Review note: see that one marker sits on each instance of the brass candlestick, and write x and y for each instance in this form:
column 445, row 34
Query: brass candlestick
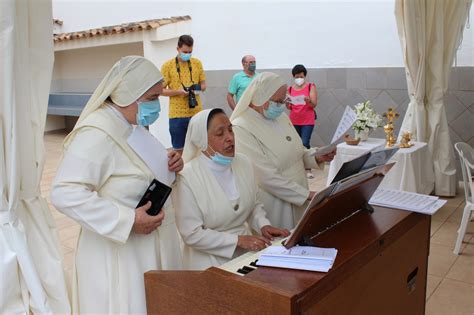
column 405, row 140
column 390, row 115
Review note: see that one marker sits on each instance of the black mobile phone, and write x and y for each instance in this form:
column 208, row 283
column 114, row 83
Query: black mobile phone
column 157, row 193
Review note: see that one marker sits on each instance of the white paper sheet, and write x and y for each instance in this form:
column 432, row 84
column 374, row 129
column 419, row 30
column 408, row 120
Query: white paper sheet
column 298, row 257
column 153, row 153
column 346, row 122
column 348, row 118
column 297, row 100
column 313, row 266
column 404, row 200
column 303, row 252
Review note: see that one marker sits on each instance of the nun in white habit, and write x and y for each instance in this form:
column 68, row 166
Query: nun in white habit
column 217, row 197
column 102, row 176
column 266, row 135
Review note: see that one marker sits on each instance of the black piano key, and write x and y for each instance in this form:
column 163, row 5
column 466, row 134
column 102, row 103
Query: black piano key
column 254, row 263
column 242, row 271
column 248, row 269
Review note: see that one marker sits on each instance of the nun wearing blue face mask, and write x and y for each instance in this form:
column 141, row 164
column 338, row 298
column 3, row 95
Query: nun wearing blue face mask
column 216, row 196
column 102, row 177
column 266, row 135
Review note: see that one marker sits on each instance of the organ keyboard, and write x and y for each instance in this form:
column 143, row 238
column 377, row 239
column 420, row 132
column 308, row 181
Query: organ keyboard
column 380, row 268
column 245, row 263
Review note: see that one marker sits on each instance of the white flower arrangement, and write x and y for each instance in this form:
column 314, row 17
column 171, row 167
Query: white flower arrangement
column 367, row 118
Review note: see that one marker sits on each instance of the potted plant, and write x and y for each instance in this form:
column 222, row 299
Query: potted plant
column 367, row 120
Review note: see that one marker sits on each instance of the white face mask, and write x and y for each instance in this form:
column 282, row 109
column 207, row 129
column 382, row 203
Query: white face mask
column 299, row 81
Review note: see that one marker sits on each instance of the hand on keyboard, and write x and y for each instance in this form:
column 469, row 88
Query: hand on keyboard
column 253, row 243
column 270, row 232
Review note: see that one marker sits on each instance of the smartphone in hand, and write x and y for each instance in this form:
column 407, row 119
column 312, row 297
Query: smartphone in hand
column 157, row 193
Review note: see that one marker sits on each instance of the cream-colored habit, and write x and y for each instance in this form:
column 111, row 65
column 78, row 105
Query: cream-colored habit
column 99, row 183
column 208, row 221
column 276, row 151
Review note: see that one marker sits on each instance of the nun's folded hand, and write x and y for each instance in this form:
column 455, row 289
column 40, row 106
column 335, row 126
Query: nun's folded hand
column 144, row 223
column 175, row 162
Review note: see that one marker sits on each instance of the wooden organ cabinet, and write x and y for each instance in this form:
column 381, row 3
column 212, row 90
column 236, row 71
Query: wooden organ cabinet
column 380, row 268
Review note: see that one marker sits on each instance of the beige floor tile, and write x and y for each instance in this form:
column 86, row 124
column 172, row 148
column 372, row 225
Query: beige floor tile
column 447, row 234
column 455, row 201
column 435, row 225
column 443, row 213
column 317, row 186
column 463, row 268
column 433, row 282
column 456, row 217
column 440, row 260
column 451, row 297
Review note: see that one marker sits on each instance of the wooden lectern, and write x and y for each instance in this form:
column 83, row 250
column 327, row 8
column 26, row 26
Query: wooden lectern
column 380, row 268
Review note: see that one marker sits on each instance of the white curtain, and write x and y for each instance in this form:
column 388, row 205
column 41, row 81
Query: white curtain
column 430, row 32
column 31, row 271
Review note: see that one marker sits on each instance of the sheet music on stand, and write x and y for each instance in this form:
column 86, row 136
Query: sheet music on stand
column 346, row 122
column 405, row 200
column 361, row 176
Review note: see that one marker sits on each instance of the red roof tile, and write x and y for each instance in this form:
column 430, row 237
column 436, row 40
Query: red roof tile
column 117, row 29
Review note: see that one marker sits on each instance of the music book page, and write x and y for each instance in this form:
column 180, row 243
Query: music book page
column 298, row 257
column 348, row 118
column 346, row 122
column 405, row 200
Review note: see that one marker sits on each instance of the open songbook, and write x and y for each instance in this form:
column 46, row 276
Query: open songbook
column 298, row 257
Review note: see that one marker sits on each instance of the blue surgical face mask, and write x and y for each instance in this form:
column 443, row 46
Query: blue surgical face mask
column 274, row 110
column 185, row 57
column 252, row 67
column 221, row 159
column 148, row 112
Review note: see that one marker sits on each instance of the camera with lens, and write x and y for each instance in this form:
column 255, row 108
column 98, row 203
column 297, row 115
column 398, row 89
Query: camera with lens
column 192, row 101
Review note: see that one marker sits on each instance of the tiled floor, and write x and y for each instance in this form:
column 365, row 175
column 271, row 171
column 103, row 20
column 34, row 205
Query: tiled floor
column 450, row 277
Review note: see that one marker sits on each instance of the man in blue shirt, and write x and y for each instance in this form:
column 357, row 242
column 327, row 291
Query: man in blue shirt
column 241, row 80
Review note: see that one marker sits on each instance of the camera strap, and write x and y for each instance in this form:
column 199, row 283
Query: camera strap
column 178, row 69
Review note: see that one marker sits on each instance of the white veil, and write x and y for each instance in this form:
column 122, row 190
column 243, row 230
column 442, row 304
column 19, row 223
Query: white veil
column 129, row 78
column 258, row 92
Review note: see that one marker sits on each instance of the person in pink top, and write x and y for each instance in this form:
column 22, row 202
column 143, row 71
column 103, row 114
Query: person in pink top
column 302, row 114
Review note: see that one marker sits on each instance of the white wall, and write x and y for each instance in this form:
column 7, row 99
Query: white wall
column 330, row 33
column 54, row 123
column 158, row 53
column 80, row 70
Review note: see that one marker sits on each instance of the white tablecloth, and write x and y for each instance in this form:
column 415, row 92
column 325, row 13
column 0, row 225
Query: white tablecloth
column 347, row 152
column 413, row 170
